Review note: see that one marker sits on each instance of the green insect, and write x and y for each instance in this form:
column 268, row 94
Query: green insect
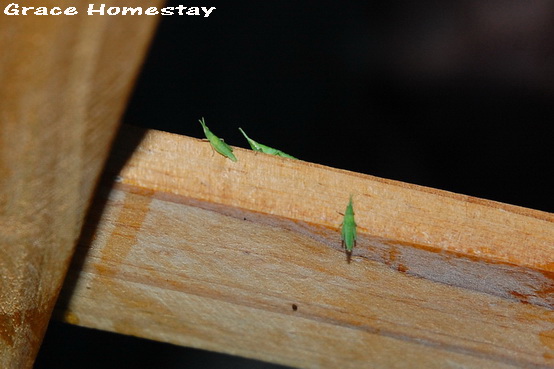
column 348, row 231
column 217, row 143
column 265, row 149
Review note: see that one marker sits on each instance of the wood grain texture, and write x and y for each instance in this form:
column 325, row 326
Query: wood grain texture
column 64, row 82
column 245, row 258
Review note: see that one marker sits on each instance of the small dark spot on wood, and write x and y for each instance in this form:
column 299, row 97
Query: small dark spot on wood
column 244, row 218
column 294, row 307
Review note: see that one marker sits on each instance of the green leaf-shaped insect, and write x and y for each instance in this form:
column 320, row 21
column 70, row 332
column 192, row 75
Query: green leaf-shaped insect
column 256, row 146
column 217, row 143
column 348, row 231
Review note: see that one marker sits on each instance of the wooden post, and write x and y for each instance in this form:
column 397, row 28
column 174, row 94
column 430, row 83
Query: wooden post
column 64, row 82
column 245, row 258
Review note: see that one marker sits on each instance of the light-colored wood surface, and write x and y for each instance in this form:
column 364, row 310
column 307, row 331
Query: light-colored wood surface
column 245, row 258
column 64, row 82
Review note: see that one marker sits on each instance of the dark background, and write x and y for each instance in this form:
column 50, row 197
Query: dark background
column 452, row 95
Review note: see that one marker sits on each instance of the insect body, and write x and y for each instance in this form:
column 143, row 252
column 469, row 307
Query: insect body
column 256, row 146
column 348, row 231
column 217, row 143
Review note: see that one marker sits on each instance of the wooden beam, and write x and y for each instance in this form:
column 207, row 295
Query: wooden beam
column 245, row 258
column 64, row 82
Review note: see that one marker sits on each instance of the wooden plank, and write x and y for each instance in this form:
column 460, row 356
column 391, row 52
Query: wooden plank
column 64, row 82
column 245, row 258
column 455, row 239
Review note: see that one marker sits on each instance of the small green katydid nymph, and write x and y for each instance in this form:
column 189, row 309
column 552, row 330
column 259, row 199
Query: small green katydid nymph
column 256, row 146
column 217, row 143
column 348, row 231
